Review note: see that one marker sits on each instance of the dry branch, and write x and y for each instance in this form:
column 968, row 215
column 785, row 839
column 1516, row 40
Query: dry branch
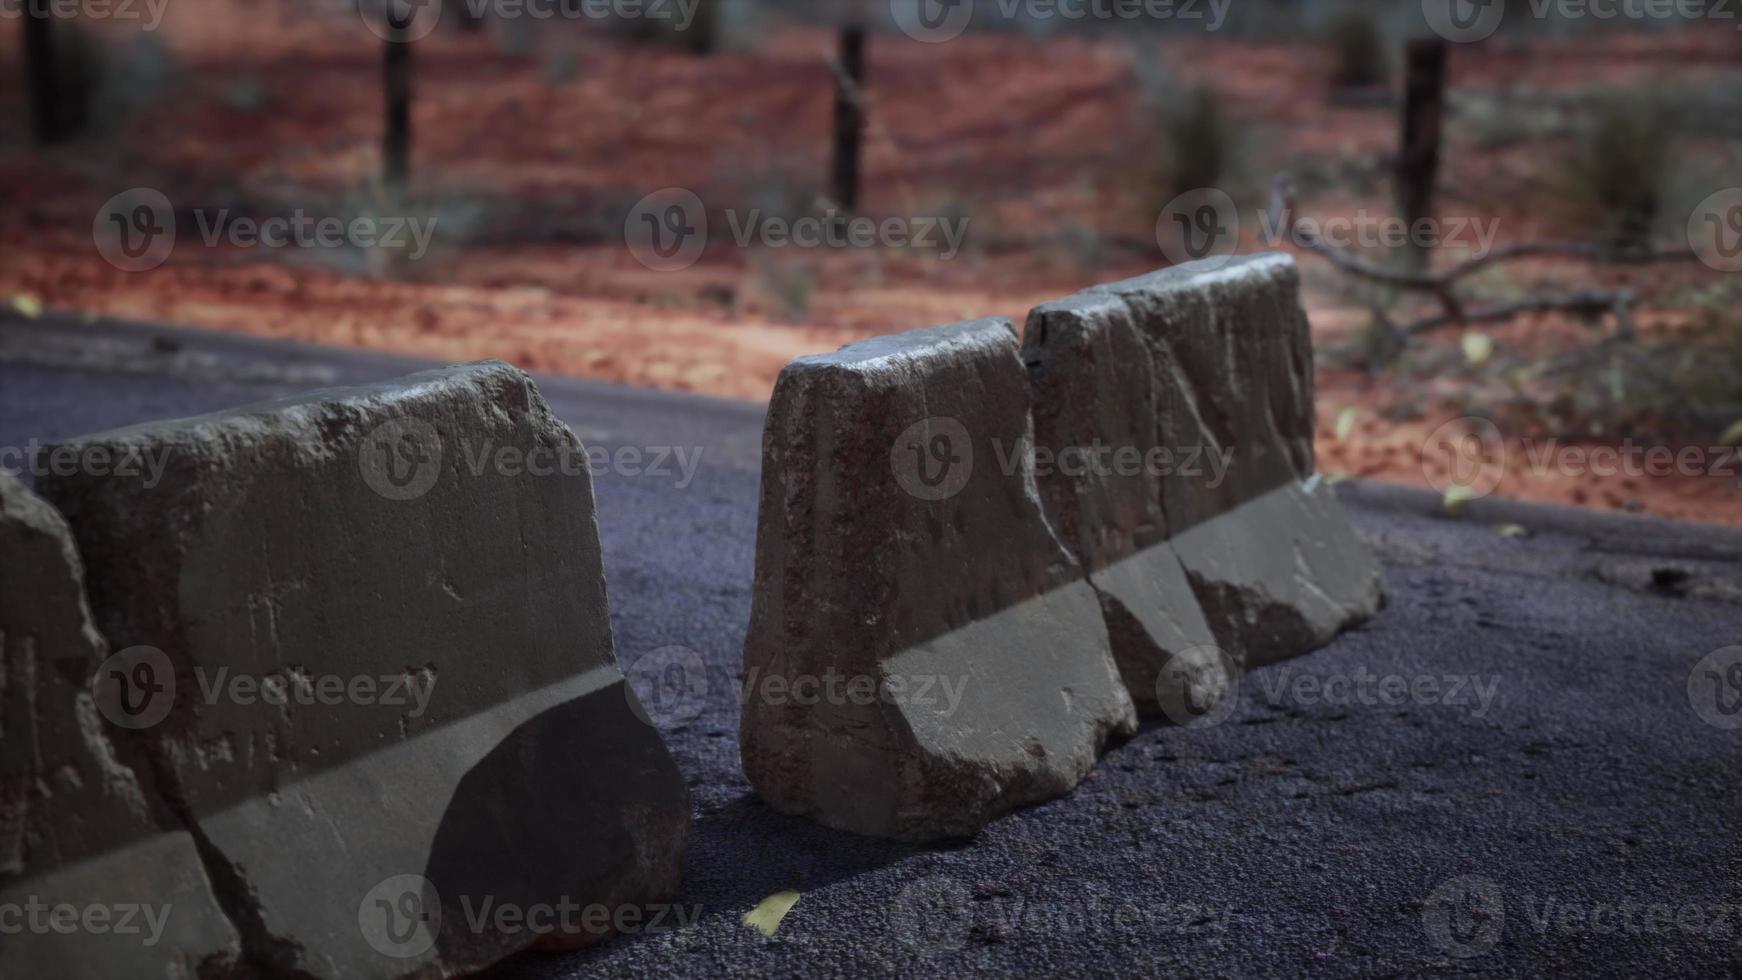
column 1454, row 309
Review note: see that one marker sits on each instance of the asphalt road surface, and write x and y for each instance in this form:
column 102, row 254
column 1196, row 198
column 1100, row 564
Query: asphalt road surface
column 1529, row 763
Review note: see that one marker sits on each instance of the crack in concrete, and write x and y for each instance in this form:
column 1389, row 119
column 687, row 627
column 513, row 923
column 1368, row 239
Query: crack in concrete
column 264, row 954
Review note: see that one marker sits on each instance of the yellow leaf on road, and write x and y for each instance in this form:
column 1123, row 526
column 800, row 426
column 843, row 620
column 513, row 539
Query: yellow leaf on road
column 1478, row 347
column 1457, row 498
column 766, row 916
column 1732, row 436
column 1346, row 422
column 27, row 306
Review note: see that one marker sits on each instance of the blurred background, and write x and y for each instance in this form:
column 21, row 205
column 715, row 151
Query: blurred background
column 1520, row 219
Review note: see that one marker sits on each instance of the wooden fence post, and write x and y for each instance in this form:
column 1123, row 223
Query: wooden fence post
column 396, row 85
column 45, row 89
column 1418, row 156
column 849, row 114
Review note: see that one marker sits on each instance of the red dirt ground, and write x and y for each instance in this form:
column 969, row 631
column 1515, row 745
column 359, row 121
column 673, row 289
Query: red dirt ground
column 534, row 159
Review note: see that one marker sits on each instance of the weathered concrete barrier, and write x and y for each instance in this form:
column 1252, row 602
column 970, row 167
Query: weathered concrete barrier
column 923, row 654
column 385, row 702
column 1190, row 390
column 921, row 494
column 90, row 883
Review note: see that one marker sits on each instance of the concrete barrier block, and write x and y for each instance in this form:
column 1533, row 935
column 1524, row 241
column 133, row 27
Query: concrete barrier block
column 923, row 654
column 91, row 885
column 391, row 707
column 1098, row 416
column 1283, row 574
column 1194, row 386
